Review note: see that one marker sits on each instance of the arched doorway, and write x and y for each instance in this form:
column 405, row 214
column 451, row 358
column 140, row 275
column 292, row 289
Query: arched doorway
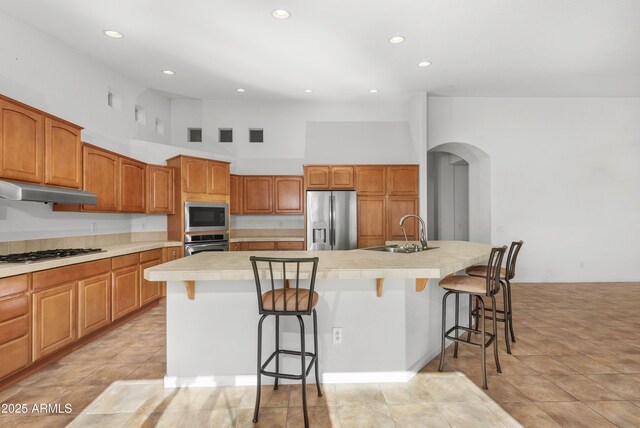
column 459, row 193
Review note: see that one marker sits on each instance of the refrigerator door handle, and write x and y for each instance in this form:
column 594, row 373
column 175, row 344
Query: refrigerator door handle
column 332, row 219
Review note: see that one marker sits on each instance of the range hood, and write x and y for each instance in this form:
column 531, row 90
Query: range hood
column 37, row 193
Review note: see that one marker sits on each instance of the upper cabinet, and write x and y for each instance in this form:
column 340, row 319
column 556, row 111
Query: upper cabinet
column 267, row 194
column 102, row 176
column 371, row 180
column 289, row 194
column 402, row 180
column 257, row 194
column 38, row 148
column 160, row 189
column 132, row 186
column 62, row 154
column 202, row 176
column 194, row 175
column 329, row 176
column 235, row 194
column 217, row 178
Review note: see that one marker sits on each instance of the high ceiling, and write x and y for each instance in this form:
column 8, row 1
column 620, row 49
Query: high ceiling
column 340, row 49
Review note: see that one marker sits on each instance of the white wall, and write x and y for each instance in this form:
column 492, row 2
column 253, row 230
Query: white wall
column 564, row 178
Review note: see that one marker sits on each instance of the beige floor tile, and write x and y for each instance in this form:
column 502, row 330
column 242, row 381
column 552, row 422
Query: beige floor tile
column 412, row 392
column 108, row 373
column 8, row 392
column 418, row 416
column 319, row 417
column 621, row 413
column 621, row 384
column 149, row 371
column 359, row 416
column 11, row 420
column 136, row 354
column 585, row 347
column 168, row 419
column 328, row 395
column 451, row 388
column 100, row 421
column 537, row 388
column 123, row 398
column 268, row 417
column 35, row 395
column 502, row 391
column 470, row 415
column 512, row 366
column 574, row 414
column 79, row 397
column 620, row 363
column 359, row 395
column 583, row 364
column 47, row 421
column 545, row 364
column 529, row 415
column 583, row 388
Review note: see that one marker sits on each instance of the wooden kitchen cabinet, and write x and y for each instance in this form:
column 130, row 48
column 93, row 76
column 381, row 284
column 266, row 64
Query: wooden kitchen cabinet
column 371, row 221
column 101, row 175
column 15, row 336
column 171, row 253
column 235, row 194
column 217, row 178
column 160, row 190
column 259, row 245
column 402, row 180
column 132, row 185
column 317, row 176
column 289, row 195
column 194, row 175
column 371, row 180
column 54, row 319
column 149, row 290
column 257, row 194
column 125, row 285
column 398, row 206
column 62, row 154
column 94, row 303
column 342, row 177
column 235, row 246
column 21, row 143
column 290, row 245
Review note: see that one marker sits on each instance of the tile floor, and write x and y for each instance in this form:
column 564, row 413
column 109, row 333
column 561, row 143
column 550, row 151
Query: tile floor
column 576, row 363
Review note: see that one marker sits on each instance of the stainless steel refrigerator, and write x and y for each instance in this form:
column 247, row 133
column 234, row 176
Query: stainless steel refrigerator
column 332, row 220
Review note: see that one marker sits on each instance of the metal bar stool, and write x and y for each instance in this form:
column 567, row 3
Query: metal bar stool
column 280, row 301
column 475, row 287
column 506, row 275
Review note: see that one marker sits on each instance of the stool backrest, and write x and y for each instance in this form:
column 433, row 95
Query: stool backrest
column 512, row 257
column 493, row 270
column 279, row 273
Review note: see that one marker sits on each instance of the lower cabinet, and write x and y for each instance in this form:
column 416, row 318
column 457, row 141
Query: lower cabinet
column 267, row 246
column 94, row 304
column 54, row 320
column 125, row 295
column 15, row 331
column 149, row 290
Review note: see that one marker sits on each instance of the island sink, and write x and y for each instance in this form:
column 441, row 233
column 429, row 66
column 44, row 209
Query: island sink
column 405, row 249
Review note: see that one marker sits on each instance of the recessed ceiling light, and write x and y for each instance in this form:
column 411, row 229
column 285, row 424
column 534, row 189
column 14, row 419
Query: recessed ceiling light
column 396, row 39
column 280, row 14
column 113, row 34
column 308, row 91
column 169, row 72
column 241, row 90
column 373, row 91
column 424, row 64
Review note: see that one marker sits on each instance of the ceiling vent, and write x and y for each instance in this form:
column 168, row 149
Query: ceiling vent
column 256, row 135
column 194, row 135
column 225, row 135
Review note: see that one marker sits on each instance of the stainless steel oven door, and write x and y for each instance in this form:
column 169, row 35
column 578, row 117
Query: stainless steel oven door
column 205, row 216
column 191, row 249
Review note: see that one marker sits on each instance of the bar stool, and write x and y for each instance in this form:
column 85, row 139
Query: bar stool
column 476, row 287
column 506, row 275
column 281, row 300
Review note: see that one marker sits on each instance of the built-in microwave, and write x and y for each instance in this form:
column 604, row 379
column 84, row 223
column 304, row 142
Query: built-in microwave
column 205, row 216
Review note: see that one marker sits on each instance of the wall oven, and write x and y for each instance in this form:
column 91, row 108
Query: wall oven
column 194, row 244
column 205, row 216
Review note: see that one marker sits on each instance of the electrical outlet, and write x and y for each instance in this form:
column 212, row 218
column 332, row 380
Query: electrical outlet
column 337, row 335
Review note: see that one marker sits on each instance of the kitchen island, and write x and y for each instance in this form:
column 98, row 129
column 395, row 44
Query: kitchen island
column 387, row 305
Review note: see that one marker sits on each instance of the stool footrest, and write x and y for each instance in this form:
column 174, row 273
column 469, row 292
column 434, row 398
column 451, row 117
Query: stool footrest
column 468, row 340
column 288, row 375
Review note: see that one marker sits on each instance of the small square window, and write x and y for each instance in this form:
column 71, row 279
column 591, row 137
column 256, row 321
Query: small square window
column 256, row 135
column 114, row 99
column 140, row 115
column 159, row 127
column 194, row 135
column 225, row 135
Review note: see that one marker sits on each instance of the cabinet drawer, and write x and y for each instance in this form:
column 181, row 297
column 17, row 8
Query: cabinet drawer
column 124, row 261
column 13, row 329
column 14, row 356
column 151, row 255
column 14, row 284
column 290, row 245
column 51, row 277
column 268, row 245
column 13, row 308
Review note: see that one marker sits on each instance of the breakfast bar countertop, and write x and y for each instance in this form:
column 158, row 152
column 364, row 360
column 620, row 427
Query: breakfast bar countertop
column 449, row 257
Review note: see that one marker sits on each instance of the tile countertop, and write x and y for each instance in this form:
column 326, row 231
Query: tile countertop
column 450, row 257
column 10, row 269
column 266, row 239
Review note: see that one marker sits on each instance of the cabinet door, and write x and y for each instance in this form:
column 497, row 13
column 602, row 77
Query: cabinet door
column 260, row 245
column 125, row 291
column 402, row 180
column 101, row 175
column 257, row 195
column 194, row 175
column 290, row 245
column 149, row 290
column 398, row 206
column 371, row 180
column 54, row 323
column 235, row 194
column 342, row 177
column 317, row 176
column 160, row 189
column 21, row 143
column 132, row 186
column 235, row 246
column 371, row 221
column 289, row 195
column 94, row 304
column 62, row 154
column 217, row 178
column 171, row 253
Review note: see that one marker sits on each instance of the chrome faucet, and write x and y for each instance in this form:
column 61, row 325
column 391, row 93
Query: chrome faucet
column 423, row 227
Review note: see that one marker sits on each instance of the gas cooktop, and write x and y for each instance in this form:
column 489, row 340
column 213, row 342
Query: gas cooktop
column 39, row 256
